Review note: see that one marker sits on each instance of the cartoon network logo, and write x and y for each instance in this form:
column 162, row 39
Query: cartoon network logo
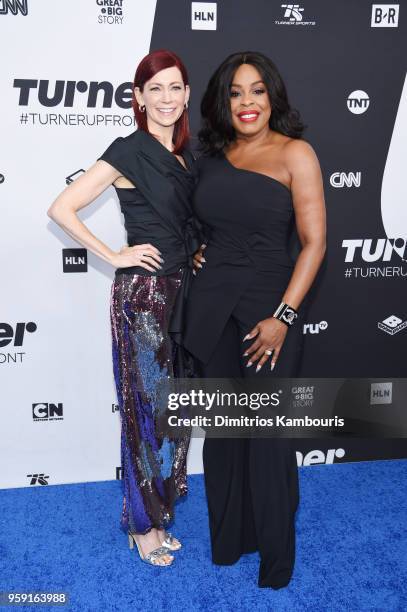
column 392, row 325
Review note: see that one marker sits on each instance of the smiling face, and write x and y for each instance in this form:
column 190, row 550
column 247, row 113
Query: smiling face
column 164, row 97
column 249, row 101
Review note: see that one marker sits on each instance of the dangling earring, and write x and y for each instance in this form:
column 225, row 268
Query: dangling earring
column 186, row 105
column 142, row 108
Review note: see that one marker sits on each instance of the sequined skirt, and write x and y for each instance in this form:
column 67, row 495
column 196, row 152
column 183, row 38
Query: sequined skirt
column 153, row 468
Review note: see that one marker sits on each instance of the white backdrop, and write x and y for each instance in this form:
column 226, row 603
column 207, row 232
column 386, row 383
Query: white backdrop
column 67, row 359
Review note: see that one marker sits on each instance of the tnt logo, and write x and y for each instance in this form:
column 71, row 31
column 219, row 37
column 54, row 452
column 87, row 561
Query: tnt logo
column 385, row 16
column 358, row 102
column 203, row 15
column 13, row 7
column 38, row 479
column 381, row 393
column 74, row 260
column 47, row 412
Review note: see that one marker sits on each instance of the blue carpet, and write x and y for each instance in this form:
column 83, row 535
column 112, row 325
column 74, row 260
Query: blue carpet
column 351, row 548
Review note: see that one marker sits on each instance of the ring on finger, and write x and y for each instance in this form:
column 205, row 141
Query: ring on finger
column 268, row 351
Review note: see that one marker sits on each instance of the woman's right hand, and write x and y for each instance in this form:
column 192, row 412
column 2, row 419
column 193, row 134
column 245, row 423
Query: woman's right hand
column 144, row 255
column 199, row 258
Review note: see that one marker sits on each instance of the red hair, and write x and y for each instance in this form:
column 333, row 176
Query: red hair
column 147, row 68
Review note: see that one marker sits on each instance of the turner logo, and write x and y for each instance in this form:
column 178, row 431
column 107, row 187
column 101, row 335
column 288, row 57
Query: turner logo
column 203, row 15
column 48, row 412
column 111, row 11
column 358, row 102
column 40, row 479
column 13, row 7
column 318, row 457
column 315, row 328
column 15, row 337
column 375, row 249
column 74, row 260
column 51, row 94
column 381, row 393
column 392, row 325
column 345, row 179
column 385, row 16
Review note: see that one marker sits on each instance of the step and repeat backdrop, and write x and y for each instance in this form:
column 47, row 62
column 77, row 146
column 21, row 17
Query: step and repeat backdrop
column 66, row 91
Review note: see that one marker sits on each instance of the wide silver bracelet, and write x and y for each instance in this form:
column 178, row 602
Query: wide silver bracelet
column 285, row 313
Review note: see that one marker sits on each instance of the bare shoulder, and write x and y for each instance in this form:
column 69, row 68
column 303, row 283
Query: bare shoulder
column 296, row 150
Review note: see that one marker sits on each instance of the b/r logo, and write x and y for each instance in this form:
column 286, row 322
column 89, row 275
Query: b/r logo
column 385, row 16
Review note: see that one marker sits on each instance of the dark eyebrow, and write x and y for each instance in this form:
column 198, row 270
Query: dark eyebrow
column 240, row 87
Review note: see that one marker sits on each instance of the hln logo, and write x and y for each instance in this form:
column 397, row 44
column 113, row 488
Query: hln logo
column 203, row 15
column 48, row 412
column 38, row 479
column 74, row 260
column 381, row 393
column 13, row 7
column 385, row 16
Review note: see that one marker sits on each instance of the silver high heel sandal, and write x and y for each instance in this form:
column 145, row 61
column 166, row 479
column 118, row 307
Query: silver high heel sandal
column 171, row 542
column 152, row 556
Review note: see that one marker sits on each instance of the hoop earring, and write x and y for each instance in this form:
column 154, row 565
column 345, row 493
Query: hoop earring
column 142, row 108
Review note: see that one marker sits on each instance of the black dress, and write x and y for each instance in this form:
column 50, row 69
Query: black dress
column 251, row 484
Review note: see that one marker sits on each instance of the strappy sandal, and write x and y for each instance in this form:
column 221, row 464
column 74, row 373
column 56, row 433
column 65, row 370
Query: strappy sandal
column 151, row 557
column 171, row 542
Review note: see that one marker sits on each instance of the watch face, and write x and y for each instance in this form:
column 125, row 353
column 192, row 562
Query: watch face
column 290, row 316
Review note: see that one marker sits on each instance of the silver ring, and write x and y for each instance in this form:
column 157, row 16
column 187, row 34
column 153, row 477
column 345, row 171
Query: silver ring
column 268, row 351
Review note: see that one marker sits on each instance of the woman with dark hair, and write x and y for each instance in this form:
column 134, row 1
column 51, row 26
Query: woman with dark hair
column 151, row 172
column 258, row 181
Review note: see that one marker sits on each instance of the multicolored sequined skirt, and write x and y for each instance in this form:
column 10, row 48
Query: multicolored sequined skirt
column 153, row 467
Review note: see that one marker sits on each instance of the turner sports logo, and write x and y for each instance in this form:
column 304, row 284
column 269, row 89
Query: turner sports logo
column 13, row 7
column 318, row 457
column 14, row 337
column 293, row 15
column 39, row 479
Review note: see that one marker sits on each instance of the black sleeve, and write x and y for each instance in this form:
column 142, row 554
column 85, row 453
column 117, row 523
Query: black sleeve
column 114, row 154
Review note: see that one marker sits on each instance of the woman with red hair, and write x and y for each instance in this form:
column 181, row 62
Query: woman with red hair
column 151, row 170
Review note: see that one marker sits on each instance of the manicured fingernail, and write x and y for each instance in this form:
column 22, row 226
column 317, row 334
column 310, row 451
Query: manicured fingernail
column 245, row 354
column 258, row 368
column 249, row 363
column 246, row 337
column 162, row 260
column 199, row 265
column 203, row 259
column 272, row 366
column 193, row 272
